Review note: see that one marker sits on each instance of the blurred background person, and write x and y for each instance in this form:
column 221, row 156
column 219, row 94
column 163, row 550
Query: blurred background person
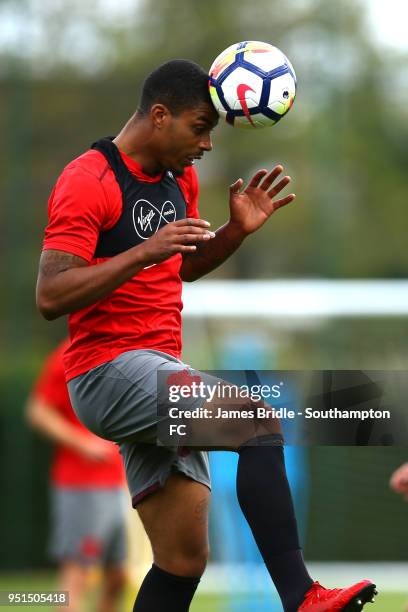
column 399, row 484
column 87, row 493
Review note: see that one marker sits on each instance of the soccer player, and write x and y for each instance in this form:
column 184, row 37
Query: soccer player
column 124, row 232
column 87, row 476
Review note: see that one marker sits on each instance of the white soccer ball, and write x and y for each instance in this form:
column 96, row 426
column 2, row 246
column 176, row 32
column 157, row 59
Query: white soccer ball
column 252, row 84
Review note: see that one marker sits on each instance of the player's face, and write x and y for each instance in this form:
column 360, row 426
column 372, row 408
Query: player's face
column 187, row 136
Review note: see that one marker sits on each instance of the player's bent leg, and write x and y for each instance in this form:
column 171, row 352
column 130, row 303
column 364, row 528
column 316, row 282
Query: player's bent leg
column 264, row 496
column 176, row 520
column 113, row 587
column 265, row 499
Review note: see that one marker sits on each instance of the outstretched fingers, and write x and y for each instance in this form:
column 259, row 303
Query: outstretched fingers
column 235, row 187
column 271, row 177
column 257, row 178
column 279, row 186
column 283, row 201
column 264, row 180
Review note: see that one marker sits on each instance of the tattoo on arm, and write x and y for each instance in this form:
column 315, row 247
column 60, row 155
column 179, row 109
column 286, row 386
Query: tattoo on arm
column 54, row 262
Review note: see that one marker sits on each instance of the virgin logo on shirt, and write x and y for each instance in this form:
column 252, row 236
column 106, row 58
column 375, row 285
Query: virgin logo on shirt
column 148, row 218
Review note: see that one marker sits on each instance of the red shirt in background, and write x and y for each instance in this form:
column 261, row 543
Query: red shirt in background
column 144, row 312
column 69, row 468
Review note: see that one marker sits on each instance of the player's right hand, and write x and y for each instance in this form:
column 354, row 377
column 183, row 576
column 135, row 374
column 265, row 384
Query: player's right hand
column 180, row 236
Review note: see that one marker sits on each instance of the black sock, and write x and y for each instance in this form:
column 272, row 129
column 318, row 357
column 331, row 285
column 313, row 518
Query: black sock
column 164, row 592
column 265, row 499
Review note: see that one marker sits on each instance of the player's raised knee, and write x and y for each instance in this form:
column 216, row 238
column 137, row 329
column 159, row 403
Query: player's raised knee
column 184, row 562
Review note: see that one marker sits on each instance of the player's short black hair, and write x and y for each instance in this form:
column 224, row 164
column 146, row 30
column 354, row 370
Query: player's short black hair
column 178, row 84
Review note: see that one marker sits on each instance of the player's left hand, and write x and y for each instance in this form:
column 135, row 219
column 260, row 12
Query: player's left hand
column 251, row 207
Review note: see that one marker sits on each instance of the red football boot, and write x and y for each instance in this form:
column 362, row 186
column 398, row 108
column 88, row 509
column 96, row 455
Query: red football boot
column 350, row 599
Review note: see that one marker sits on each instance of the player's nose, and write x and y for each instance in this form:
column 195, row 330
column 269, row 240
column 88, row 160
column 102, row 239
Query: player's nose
column 206, row 143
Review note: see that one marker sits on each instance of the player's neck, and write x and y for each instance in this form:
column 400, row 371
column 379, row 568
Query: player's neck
column 135, row 141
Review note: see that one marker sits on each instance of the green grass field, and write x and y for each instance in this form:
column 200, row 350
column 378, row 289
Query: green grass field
column 387, row 602
column 37, row 581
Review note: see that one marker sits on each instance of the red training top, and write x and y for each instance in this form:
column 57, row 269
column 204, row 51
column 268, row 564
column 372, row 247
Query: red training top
column 69, row 468
column 144, row 312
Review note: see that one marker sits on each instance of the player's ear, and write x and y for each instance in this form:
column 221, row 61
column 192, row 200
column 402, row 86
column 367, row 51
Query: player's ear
column 159, row 115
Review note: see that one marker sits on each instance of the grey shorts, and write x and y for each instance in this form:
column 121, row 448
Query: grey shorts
column 88, row 526
column 118, row 401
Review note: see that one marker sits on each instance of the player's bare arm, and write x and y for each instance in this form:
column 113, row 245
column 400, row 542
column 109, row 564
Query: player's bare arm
column 67, row 282
column 249, row 210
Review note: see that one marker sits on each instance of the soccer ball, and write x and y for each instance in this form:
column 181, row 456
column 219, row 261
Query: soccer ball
column 252, row 84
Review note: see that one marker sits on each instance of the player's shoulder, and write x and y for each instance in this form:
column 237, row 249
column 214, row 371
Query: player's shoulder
column 189, row 179
column 91, row 163
column 189, row 175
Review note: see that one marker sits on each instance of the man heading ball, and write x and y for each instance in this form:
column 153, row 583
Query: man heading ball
column 124, row 232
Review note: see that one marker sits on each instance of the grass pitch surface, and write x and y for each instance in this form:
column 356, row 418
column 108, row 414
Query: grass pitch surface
column 45, row 581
